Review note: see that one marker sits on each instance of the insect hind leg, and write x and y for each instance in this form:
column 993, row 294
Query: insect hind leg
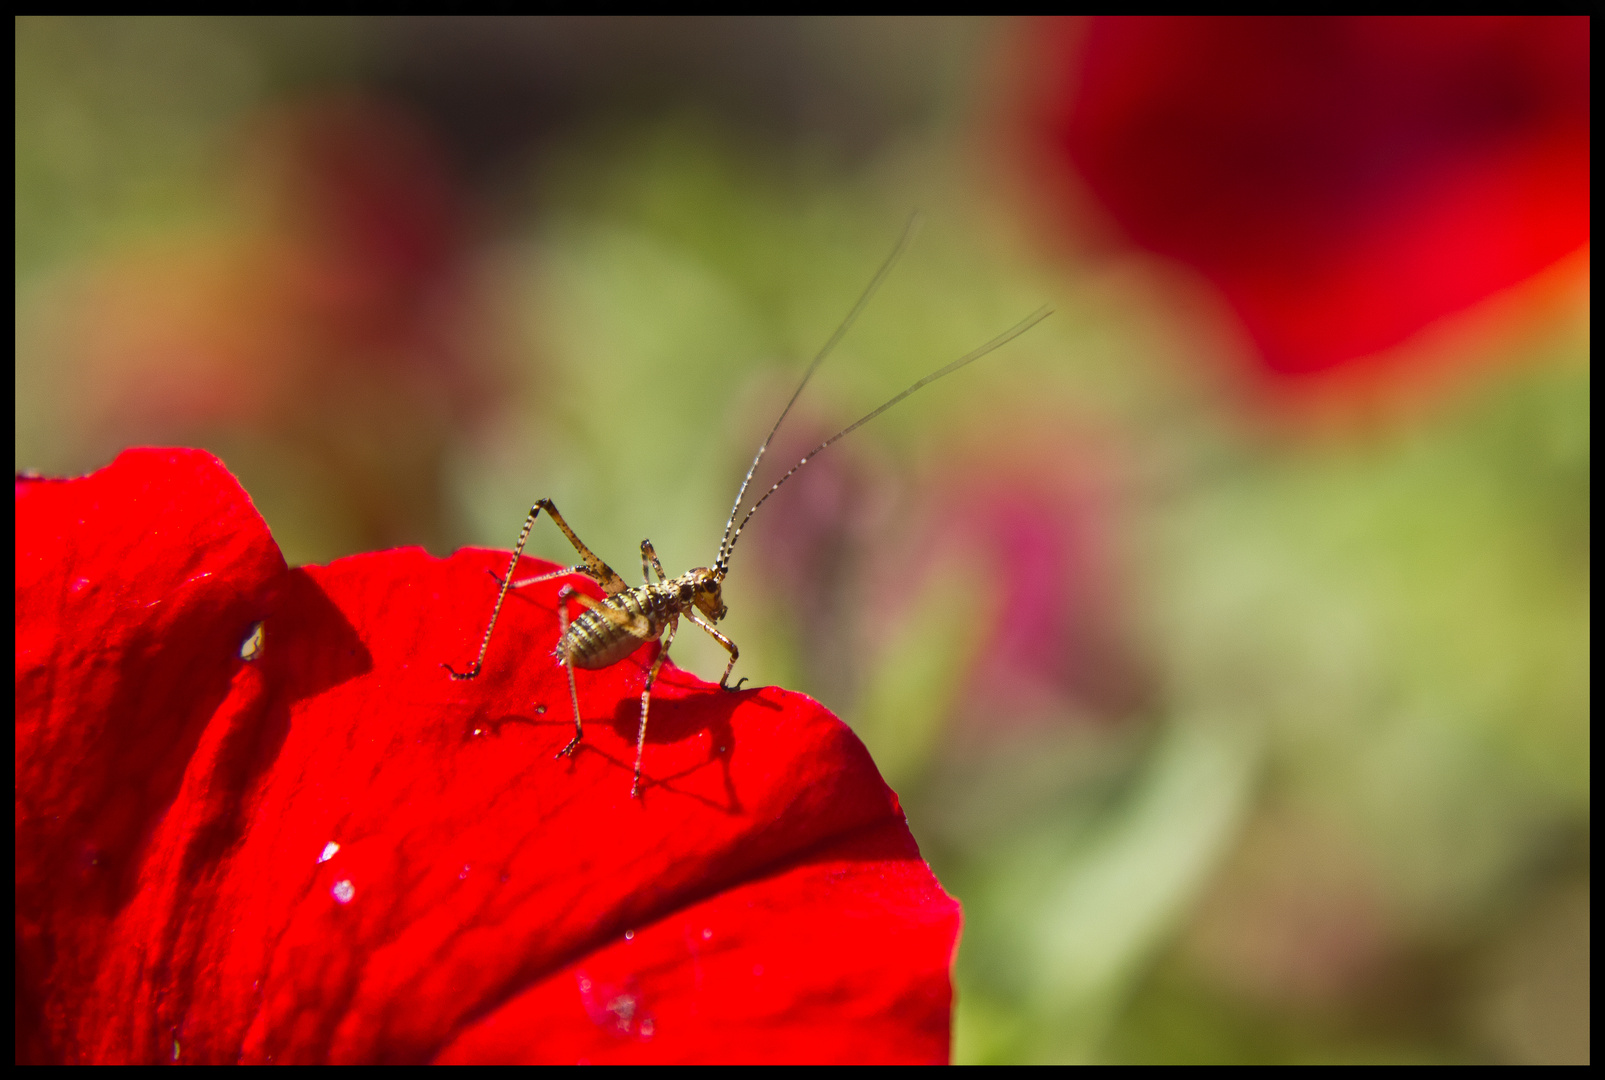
column 568, row 663
column 506, row 580
column 594, row 568
column 603, row 573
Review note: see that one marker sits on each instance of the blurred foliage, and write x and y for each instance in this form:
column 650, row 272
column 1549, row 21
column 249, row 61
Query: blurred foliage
column 1240, row 739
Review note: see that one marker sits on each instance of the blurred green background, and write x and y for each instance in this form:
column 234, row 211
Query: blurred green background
column 1242, row 735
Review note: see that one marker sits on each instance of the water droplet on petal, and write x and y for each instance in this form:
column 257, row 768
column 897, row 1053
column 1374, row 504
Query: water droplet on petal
column 619, row 1008
column 629, row 935
column 328, row 851
column 707, row 932
column 623, row 1009
column 343, row 891
column 464, row 875
column 251, row 647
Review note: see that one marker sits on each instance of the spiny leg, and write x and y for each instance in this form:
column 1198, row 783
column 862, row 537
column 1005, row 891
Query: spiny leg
column 646, row 700
column 507, row 580
column 522, row 582
column 649, row 553
column 604, row 574
column 594, row 567
column 724, row 680
column 568, row 662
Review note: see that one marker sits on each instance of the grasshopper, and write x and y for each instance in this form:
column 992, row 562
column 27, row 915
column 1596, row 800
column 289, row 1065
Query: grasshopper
column 610, row 629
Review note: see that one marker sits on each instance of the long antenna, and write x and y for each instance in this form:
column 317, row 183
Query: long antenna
column 970, row 357
column 914, row 221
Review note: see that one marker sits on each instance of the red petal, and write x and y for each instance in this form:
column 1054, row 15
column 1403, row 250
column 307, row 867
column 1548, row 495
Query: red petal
column 366, row 861
column 802, row 965
column 135, row 588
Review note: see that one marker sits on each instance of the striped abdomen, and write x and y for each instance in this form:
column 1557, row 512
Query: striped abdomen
column 593, row 641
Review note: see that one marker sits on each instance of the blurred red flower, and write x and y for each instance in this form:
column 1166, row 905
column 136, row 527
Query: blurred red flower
column 1344, row 181
column 308, row 844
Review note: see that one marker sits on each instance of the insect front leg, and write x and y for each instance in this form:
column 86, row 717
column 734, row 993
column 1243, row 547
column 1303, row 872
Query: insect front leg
column 568, row 663
column 730, row 646
column 648, row 553
column 646, row 700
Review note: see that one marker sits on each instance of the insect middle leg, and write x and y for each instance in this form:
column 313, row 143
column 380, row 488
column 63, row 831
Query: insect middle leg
column 568, row 663
column 635, row 626
column 646, row 701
